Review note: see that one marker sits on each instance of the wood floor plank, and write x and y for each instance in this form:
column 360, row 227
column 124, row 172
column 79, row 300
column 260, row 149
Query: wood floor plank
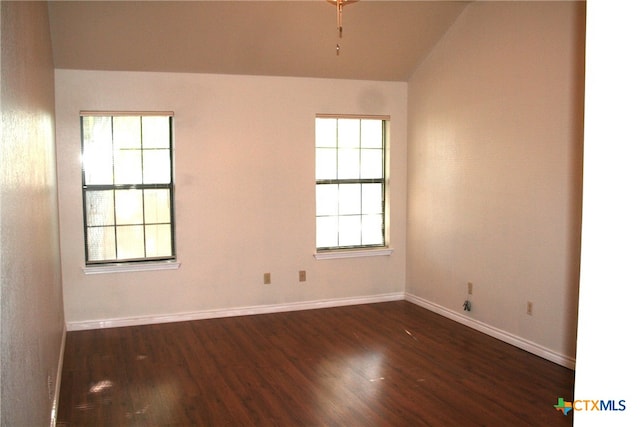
column 386, row 364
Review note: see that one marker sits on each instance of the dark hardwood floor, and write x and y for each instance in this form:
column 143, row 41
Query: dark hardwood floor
column 386, row 364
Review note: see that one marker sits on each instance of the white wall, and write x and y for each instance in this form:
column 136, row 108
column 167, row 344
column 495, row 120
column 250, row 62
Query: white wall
column 245, row 197
column 495, row 119
column 32, row 321
column 607, row 357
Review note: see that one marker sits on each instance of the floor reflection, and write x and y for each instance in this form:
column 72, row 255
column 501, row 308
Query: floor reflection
column 351, row 384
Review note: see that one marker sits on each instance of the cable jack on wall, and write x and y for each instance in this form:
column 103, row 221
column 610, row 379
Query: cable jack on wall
column 339, row 5
column 467, row 302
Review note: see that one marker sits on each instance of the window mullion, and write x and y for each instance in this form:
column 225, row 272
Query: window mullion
column 351, row 181
column 144, row 228
column 113, row 186
column 337, row 149
column 360, row 175
column 171, row 188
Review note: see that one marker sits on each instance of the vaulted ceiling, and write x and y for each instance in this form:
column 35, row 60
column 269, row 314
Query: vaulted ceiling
column 382, row 40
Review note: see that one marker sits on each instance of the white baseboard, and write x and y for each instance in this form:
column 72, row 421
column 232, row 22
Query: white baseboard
column 494, row 332
column 229, row 312
column 56, row 393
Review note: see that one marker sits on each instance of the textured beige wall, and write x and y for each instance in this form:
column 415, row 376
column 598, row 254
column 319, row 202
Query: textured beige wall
column 495, row 140
column 32, row 312
column 245, row 192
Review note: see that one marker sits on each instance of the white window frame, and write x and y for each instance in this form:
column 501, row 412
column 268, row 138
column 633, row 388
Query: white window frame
column 145, row 263
column 360, row 250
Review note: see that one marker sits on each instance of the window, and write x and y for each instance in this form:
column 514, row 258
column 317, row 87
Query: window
column 127, row 187
column 350, row 182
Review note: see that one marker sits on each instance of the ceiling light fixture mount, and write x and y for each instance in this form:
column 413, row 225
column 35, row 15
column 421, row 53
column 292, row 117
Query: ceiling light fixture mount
column 339, row 4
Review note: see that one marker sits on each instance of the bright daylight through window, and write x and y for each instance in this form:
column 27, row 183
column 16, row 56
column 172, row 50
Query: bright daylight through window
column 350, row 182
column 127, row 182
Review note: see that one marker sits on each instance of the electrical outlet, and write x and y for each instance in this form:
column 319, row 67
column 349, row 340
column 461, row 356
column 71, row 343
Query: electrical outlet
column 267, row 278
column 302, row 276
column 469, row 288
column 529, row 308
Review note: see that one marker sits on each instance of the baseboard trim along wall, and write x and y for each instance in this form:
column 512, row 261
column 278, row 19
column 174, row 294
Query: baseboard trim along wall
column 507, row 337
column 58, row 381
column 230, row 312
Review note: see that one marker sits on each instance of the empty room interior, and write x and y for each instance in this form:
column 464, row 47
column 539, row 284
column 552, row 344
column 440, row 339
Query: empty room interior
column 258, row 278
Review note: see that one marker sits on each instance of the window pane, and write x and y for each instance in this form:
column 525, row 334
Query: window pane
column 97, row 151
column 349, row 231
column 349, row 199
column 157, row 206
column 326, row 130
column 128, row 207
column 348, row 163
column 130, row 241
column 371, row 134
column 372, row 230
column 349, row 133
column 371, row 166
column 128, row 167
column 326, row 199
column 96, row 130
column 326, row 231
column 101, row 243
column 156, row 166
column 99, row 208
column 372, row 198
column 155, row 132
column 158, row 240
column 326, row 163
column 127, row 132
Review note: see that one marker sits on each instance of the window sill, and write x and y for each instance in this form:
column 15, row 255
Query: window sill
column 353, row 253
column 129, row 267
